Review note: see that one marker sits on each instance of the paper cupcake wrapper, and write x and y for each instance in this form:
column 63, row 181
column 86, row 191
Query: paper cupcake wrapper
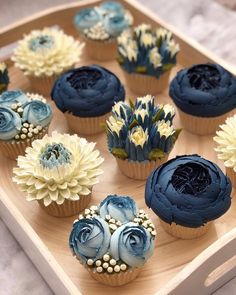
column 13, row 148
column 232, row 175
column 183, row 232
column 138, row 170
column 144, row 84
column 86, row 126
column 100, row 50
column 202, row 125
column 115, row 279
column 68, row 208
column 42, row 85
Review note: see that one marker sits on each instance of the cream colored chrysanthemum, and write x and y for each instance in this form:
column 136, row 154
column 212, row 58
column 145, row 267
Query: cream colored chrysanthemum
column 66, row 180
column 47, row 52
column 226, row 140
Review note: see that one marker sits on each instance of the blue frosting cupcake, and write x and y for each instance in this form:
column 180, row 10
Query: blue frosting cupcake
column 4, row 79
column 86, row 96
column 187, row 193
column 202, row 92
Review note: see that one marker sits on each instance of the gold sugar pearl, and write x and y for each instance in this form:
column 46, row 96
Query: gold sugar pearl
column 94, row 208
column 112, row 226
column 110, row 269
column 150, row 229
column 141, row 211
column 24, row 130
column 17, row 136
column 31, row 125
column 86, row 211
column 112, row 262
column 154, row 233
column 23, row 136
column 35, row 131
column 81, row 216
column 14, row 106
column 99, row 269
column 112, row 220
column 19, row 104
column 106, row 257
column 88, row 216
column 137, row 220
column 123, row 266
column 98, row 263
column 31, row 130
column 105, row 265
column 39, row 127
column 118, row 223
column 90, row 262
column 30, row 134
column 107, row 217
column 20, row 110
column 117, row 268
column 26, row 125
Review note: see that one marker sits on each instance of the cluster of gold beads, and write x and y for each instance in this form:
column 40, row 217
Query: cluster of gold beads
column 97, row 32
column 143, row 219
column 113, row 224
column 88, row 213
column 35, row 96
column 107, row 265
column 28, row 131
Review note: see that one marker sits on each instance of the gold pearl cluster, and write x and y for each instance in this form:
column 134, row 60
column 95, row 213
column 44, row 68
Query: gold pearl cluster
column 35, row 96
column 113, row 224
column 143, row 220
column 97, row 32
column 107, row 265
column 88, row 213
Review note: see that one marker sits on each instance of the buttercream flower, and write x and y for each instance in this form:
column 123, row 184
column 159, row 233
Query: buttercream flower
column 89, row 238
column 46, row 52
column 115, row 124
column 155, row 58
column 115, row 24
column 10, row 123
column 146, row 102
column 58, row 168
column 169, row 112
column 147, row 39
column 12, row 97
column 122, row 209
column 138, row 136
column 165, row 128
column 4, row 79
column 122, row 110
column 173, row 48
column 132, row 243
column 86, row 18
column 162, row 33
column 142, row 28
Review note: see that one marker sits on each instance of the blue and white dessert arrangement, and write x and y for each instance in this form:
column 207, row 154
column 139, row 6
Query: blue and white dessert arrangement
column 4, row 78
column 187, row 193
column 86, row 96
column 99, row 26
column 24, row 117
column 205, row 95
column 146, row 56
column 113, row 240
column 140, row 136
column 44, row 54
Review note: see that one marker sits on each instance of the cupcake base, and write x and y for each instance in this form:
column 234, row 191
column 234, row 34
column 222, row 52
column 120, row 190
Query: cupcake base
column 232, row 175
column 144, row 84
column 68, row 208
column 14, row 148
column 42, row 85
column 183, row 232
column 86, row 126
column 138, row 170
column 202, row 125
column 115, row 279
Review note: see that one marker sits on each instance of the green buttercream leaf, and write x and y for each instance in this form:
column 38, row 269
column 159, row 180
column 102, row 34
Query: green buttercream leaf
column 119, row 153
column 133, row 124
column 131, row 104
column 104, row 127
column 156, row 154
column 177, row 133
column 140, row 69
column 120, row 59
column 167, row 67
column 157, row 116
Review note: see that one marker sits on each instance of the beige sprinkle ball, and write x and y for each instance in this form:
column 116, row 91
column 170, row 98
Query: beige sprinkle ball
column 31, row 130
column 117, row 268
column 141, row 211
column 113, row 226
column 35, row 131
column 39, row 127
column 17, row 136
column 99, row 269
column 98, row 263
column 145, row 225
column 154, row 233
column 29, row 134
column 19, row 110
column 81, row 216
column 108, row 217
column 19, row 104
column 23, row 136
column 26, row 125
column 105, row 265
column 112, row 262
column 118, row 223
column 24, row 130
column 31, row 125
column 14, row 106
column 110, row 269
column 106, row 257
column 152, row 225
column 86, row 211
column 88, row 216
column 137, row 220
column 112, row 220
column 123, row 267
column 150, row 229
column 94, row 208
column 90, row 262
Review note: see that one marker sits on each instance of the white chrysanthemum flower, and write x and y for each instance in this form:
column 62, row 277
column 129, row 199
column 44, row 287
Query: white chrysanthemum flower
column 155, row 58
column 142, row 28
column 169, row 109
column 147, row 39
column 47, row 52
column 138, row 136
column 57, row 168
column 165, row 128
column 173, row 47
column 115, row 124
column 226, row 140
column 164, row 34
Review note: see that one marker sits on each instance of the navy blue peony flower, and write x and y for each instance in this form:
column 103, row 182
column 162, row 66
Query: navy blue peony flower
column 90, row 238
column 4, row 78
column 10, row 123
column 120, row 208
column 204, row 90
column 88, row 91
column 189, row 191
column 12, row 97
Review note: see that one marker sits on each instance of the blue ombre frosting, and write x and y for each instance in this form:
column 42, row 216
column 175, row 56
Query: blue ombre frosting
column 10, row 123
column 88, row 91
column 11, row 97
column 41, row 42
column 189, row 191
column 87, row 18
column 204, row 90
column 4, row 78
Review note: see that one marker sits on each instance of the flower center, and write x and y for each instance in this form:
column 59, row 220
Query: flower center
column 84, row 78
column 204, row 77
column 191, row 178
column 55, row 155
column 40, row 42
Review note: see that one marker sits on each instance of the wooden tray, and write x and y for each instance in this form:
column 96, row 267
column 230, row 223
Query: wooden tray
column 45, row 239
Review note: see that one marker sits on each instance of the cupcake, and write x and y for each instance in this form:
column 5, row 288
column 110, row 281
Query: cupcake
column 205, row 95
column 146, row 57
column 44, row 54
column 24, row 117
column 141, row 136
column 4, row 79
column 99, row 27
column 86, row 96
column 187, row 193
column 226, row 147
column 113, row 240
column 59, row 172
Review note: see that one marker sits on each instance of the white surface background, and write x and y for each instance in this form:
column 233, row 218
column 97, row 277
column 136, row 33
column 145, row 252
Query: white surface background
column 206, row 21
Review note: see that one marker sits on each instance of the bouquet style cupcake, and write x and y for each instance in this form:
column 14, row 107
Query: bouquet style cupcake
column 113, row 240
column 205, row 95
column 187, row 193
column 24, row 117
column 86, row 96
column 59, row 172
column 226, row 147
column 146, row 57
column 141, row 136
column 44, row 54
column 99, row 27
column 4, row 79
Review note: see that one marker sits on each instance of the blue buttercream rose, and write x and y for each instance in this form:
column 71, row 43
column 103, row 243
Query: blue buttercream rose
column 86, row 18
column 10, row 123
column 118, row 207
column 90, row 238
column 111, row 6
column 11, row 97
column 38, row 113
column 132, row 243
column 115, row 24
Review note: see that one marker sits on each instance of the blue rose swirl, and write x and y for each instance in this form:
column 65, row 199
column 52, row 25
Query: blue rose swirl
column 112, row 6
column 115, row 24
column 132, row 243
column 8, row 98
column 38, row 113
column 86, row 18
column 88, row 91
column 118, row 207
column 90, row 238
column 10, row 123
column 189, row 191
column 205, row 90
